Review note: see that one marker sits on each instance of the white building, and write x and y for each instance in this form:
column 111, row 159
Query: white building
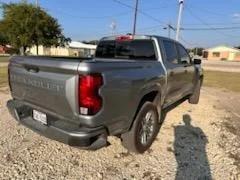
column 77, row 49
column 222, row 52
column 81, row 49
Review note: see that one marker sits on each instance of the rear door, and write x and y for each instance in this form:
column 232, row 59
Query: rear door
column 175, row 71
column 189, row 70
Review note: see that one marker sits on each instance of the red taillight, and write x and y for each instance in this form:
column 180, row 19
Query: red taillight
column 90, row 101
column 124, row 38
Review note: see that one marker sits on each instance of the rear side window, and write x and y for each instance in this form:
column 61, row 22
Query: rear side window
column 171, row 52
column 135, row 49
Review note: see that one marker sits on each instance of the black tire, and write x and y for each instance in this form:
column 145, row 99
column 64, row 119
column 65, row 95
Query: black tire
column 133, row 140
column 194, row 98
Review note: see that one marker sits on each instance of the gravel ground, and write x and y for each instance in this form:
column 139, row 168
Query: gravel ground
column 189, row 146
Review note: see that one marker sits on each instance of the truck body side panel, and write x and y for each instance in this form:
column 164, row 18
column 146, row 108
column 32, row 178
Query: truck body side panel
column 125, row 83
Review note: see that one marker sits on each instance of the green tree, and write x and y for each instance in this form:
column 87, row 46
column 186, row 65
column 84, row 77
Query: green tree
column 3, row 39
column 24, row 25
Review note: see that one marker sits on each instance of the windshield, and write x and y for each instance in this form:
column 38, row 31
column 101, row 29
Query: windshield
column 134, row 49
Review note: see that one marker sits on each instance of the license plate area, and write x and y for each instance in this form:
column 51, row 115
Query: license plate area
column 40, row 117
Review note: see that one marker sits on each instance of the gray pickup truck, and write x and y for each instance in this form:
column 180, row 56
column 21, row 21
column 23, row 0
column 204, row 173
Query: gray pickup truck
column 123, row 91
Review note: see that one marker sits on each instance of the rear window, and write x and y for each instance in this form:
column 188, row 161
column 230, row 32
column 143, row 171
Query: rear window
column 136, row 50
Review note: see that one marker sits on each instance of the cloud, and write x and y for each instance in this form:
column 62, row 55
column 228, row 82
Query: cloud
column 236, row 15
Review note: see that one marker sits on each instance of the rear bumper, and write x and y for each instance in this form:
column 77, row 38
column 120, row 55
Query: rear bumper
column 86, row 138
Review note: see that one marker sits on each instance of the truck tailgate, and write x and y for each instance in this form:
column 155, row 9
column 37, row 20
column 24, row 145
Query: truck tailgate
column 47, row 83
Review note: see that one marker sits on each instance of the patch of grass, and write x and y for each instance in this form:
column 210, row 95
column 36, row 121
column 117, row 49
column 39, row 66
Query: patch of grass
column 4, row 59
column 3, row 77
column 226, row 80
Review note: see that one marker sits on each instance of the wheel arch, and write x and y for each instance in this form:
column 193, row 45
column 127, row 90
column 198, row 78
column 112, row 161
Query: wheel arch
column 153, row 96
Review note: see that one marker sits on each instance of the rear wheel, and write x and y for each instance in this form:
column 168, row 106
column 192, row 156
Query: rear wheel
column 144, row 130
column 194, row 98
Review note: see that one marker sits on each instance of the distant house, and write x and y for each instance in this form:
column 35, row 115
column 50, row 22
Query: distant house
column 76, row 49
column 81, row 49
column 222, row 53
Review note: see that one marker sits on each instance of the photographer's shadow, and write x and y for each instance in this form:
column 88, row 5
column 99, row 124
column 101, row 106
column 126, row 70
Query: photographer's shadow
column 190, row 152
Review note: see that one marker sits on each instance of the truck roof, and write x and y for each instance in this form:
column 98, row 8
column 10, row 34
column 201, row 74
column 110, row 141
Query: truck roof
column 109, row 38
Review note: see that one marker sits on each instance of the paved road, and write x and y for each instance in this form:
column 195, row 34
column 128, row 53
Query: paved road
column 225, row 66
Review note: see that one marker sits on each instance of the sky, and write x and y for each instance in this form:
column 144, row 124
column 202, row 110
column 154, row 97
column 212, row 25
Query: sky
column 92, row 19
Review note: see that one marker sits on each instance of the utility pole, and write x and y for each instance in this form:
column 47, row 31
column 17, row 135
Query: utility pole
column 181, row 2
column 36, row 3
column 135, row 18
column 169, row 28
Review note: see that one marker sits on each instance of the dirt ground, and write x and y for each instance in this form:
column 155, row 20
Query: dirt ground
column 3, row 64
column 195, row 142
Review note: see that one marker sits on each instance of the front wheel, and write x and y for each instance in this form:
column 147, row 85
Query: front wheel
column 144, row 130
column 194, row 98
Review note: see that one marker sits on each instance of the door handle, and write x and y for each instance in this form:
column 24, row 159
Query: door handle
column 35, row 70
column 32, row 69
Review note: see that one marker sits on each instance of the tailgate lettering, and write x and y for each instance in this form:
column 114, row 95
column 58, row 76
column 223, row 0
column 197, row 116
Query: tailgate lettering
column 36, row 83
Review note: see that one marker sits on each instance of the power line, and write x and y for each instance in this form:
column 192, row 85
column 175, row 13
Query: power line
column 156, row 8
column 208, row 11
column 206, row 24
column 188, row 43
column 93, row 17
column 83, row 17
column 211, row 29
column 169, row 26
column 151, row 28
column 212, row 23
column 141, row 12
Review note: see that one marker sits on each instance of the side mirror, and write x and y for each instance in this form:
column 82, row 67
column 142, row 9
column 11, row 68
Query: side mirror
column 197, row 61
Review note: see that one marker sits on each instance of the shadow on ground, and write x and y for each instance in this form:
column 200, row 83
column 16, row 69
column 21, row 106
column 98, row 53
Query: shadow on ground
column 190, row 152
